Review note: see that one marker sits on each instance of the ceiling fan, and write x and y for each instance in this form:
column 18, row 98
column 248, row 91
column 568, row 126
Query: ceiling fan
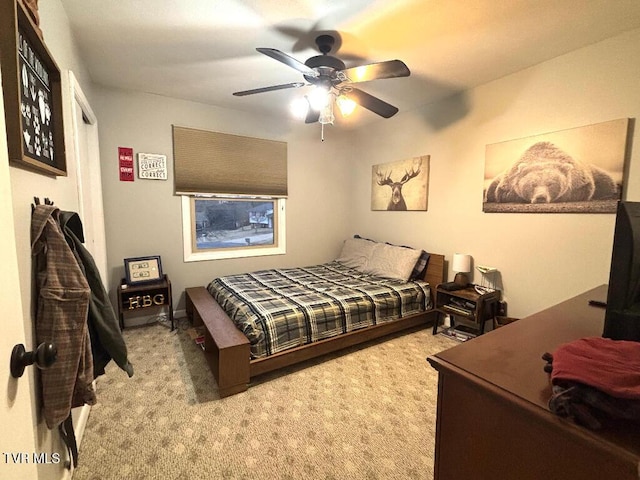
column 330, row 76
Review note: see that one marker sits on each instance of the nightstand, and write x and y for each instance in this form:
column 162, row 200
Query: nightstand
column 146, row 295
column 466, row 307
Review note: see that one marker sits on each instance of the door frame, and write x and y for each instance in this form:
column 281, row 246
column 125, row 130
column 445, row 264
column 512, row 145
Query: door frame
column 92, row 212
column 88, row 179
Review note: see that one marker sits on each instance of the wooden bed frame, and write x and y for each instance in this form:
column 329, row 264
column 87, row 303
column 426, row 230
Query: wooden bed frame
column 227, row 349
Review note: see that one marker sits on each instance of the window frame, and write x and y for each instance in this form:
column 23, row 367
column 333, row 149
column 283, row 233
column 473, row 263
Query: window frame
column 188, row 228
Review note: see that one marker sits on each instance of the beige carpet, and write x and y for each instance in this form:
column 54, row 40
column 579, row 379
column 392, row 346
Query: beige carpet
column 365, row 414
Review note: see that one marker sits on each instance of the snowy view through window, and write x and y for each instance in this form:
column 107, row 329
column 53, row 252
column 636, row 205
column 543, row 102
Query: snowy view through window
column 233, row 223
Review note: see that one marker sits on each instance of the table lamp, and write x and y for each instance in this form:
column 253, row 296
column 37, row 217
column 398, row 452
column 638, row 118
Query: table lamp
column 462, row 266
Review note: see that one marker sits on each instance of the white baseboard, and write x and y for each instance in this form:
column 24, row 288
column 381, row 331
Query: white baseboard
column 83, row 417
column 80, row 416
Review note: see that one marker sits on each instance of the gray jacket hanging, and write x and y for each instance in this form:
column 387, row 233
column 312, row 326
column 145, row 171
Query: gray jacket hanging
column 106, row 338
column 62, row 295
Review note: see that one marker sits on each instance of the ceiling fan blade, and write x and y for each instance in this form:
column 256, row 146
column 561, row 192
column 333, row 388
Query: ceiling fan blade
column 372, row 103
column 376, row 71
column 269, row 89
column 289, row 61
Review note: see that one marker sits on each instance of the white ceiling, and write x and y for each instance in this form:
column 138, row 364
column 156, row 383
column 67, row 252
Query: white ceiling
column 204, row 50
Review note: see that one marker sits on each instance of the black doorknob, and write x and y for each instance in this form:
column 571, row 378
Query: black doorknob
column 44, row 356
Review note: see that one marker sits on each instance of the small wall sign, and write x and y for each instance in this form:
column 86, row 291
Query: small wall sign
column 125, row 162
column 152, row 166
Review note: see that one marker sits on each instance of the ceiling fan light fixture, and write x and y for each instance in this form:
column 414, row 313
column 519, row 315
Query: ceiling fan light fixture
column 326, row 114
column 319, row 98
column 346, row 105
column 332, row 83
column 299, row 107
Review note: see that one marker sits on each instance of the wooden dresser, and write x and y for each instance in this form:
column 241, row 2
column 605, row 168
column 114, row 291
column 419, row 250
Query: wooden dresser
column 493, row 421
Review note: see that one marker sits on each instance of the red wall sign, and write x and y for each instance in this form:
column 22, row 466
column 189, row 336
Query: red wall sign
column 125, row 159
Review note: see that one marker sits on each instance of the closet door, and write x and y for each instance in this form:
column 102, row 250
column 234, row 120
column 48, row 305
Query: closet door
column 86, row 153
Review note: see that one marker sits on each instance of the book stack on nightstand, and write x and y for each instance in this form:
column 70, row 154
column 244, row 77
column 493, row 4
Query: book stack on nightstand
column 461, row 333
column 468, row 309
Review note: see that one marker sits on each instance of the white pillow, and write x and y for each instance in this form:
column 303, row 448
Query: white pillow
column 393, row 262
column 356, row 253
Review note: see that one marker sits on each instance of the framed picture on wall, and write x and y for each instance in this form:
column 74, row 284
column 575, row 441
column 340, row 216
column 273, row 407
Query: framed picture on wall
column 143, row 270
column 401, row 185
column 152, row 166
column 32, row 93
column 577, row 170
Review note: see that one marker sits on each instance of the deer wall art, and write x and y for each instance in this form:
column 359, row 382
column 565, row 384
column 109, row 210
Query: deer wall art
column 411, row 174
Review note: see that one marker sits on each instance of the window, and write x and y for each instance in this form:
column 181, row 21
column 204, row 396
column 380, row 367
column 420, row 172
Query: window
column 232, row 227
column 233, row 192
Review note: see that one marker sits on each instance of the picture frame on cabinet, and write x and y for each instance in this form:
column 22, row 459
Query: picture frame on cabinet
column 143, row 270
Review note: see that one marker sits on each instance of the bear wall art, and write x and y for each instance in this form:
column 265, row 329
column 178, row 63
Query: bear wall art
column 579, row 170
column 400, row 185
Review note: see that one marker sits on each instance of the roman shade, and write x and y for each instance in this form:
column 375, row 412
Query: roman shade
column 219, row 163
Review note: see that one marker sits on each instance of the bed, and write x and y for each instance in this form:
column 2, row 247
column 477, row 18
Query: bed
column 360, row 296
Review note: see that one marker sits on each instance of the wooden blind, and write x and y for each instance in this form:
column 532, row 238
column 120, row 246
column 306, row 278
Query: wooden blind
column 220, row 163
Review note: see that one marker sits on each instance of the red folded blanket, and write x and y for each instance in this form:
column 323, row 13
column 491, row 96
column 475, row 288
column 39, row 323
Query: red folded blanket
column 610, row 366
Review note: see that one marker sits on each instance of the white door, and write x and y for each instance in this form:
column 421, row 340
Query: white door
column 17, row 438
column 86, row 153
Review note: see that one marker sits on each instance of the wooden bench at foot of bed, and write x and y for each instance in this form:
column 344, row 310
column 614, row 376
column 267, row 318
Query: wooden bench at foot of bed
column 227, row 349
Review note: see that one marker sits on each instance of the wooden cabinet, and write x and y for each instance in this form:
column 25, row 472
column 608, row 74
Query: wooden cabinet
column 466, row 306
column 147, row 295
column 493, row 419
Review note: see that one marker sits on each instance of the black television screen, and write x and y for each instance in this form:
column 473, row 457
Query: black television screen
column 622, row 317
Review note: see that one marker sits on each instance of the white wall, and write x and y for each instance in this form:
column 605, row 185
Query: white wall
column 16, row 412
column 543, row 258
column 144, row 217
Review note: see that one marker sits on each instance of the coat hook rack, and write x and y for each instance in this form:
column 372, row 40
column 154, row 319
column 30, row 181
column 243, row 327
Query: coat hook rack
column 44, row 356
column 36, row 201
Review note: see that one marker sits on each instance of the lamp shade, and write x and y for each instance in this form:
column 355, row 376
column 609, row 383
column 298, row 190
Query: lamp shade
column 461, row 262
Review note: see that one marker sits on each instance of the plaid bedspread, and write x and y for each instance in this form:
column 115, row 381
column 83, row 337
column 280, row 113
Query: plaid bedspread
column 285, row 308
